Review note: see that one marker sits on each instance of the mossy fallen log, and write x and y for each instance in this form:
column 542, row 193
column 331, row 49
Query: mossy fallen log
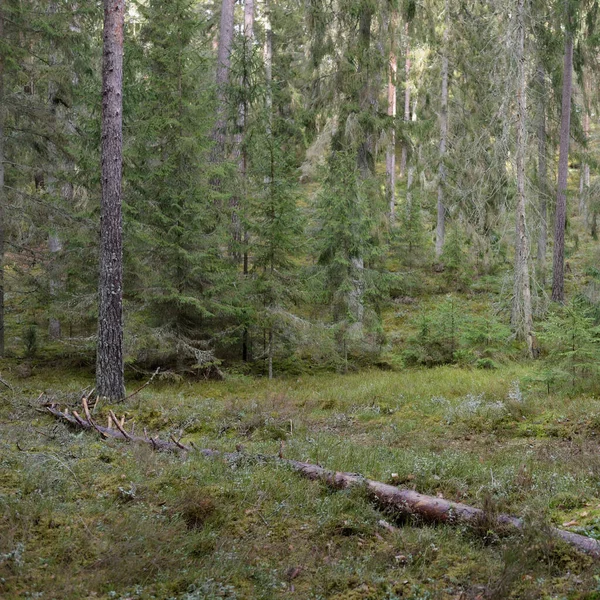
column 391, row 498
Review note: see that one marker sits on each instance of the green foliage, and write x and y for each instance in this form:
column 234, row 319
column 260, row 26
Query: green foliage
column 571, row 341
column 457, row 270
column 447, row 333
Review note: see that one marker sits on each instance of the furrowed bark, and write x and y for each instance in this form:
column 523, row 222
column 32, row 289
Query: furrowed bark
column 522, row 319
column 2, row 191
column 390, row 498
column 223, row 64
column 558, row 265
column 390, row 159
column 584, row 171
column 110, row 378
column 404, row 155
column 440, row 231
column 542, row 178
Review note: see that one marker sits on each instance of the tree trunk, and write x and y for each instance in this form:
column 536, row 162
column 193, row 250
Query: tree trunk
column 2, row 190
column 109, row 361
column 522, row 319
column 238, row 202
column 584, row 171
column 223, row 64
column 558, row 266
column 407, row 63
column 440, row 231
column 364, row 159
column 390, row 159
column 271, row 350
column 542, row 178
column 54, row 247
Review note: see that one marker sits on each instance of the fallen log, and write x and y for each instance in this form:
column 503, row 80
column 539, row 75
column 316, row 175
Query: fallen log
column 398, row 500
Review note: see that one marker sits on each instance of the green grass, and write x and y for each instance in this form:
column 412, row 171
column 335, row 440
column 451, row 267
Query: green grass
column 85, row 518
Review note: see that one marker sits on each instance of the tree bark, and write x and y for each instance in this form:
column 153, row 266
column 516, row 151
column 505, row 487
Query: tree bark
column 390, row 159
column 584, row 170
column 240, row 249
column 558, row 265
column 223, row 65
column 440, row 231
column 522, row 319
column 110, row 381
column 2, row 190
column 542, row 178
column 407, row 64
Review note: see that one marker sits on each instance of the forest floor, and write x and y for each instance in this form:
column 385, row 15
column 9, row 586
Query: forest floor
column 86, row 518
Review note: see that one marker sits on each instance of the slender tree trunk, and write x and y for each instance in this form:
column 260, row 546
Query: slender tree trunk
column 542, row 178
column 407, row 64
column 558, row 266
column 584, row 171
column 109, row 361
column 390, row 159
column 2, row 190
column 54, row 243
column 240, row 250
column 223, row 65
column 364, row 161
column 54, row 247
column 522, row 319
column 271, row 348
column 440, row 231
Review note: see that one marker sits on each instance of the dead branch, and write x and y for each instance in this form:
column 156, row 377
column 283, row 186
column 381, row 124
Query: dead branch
column 399, row 500
column 10, row 387
column 143, row 386
column 119, row 425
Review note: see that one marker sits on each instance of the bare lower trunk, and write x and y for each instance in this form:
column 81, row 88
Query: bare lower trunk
column 440, row 231
column 110, row 381
column 271, row 350
column 223, row 65
column 404, row 155
column 584, row 171
column 356, row 304
column 54, row 247
column 558, row 265
column 390, row 159
column 238, row 202
column 409, row 182
column 542, row 178
column 522, row 319
column 2, row 190
column 364, row 161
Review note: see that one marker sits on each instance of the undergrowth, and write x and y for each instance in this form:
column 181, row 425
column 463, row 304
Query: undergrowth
column 82, row 517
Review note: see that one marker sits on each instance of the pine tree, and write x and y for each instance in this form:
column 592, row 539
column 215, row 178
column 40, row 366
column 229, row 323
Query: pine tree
column 110, row 381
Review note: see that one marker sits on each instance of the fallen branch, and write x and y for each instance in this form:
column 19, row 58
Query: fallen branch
column 142, row 386
column 401, row 501
column 10, row 387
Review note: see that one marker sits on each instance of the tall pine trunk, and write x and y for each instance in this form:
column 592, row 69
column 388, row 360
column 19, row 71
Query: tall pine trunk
column 522, row 319
column 558, row 265
column 584, row 171
column 2, row 191
column 238, row 202
column 364, row 159
column 542, row 178
column 223, row 67
column 109, row 361
column 440, row 231
column 390, row 159
column 270, row 180
column 407, row 64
